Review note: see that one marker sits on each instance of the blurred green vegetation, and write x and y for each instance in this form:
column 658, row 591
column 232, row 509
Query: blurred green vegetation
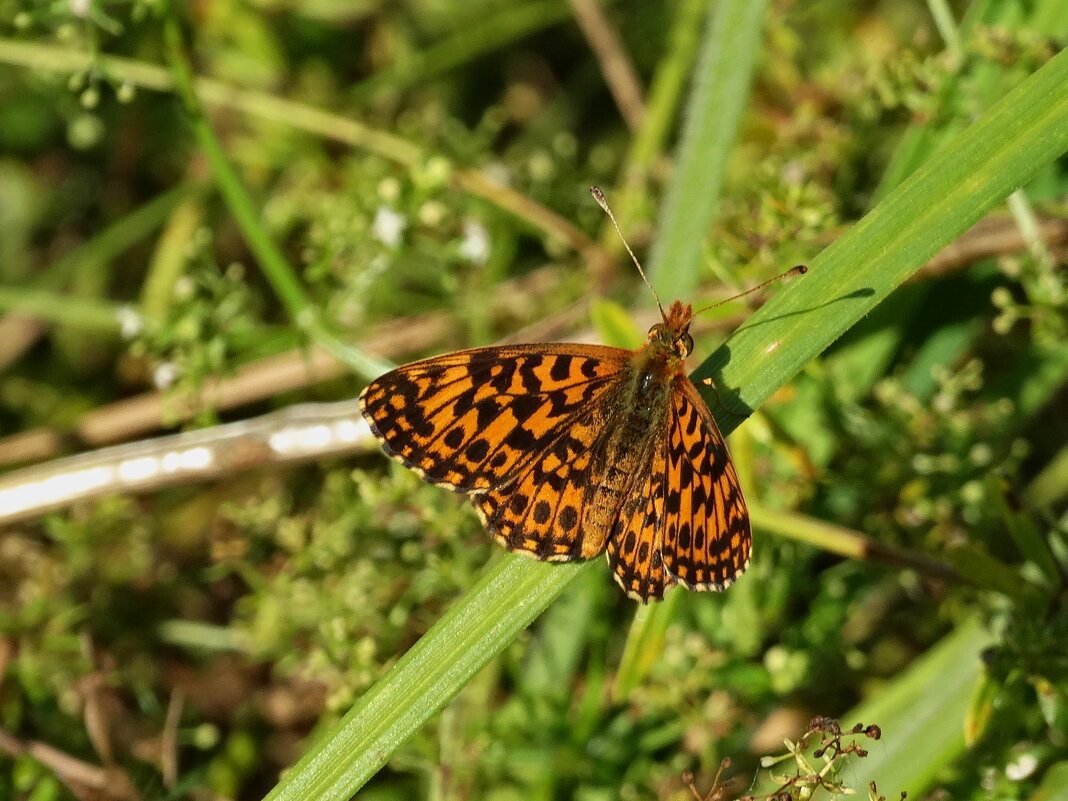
column 349, row 164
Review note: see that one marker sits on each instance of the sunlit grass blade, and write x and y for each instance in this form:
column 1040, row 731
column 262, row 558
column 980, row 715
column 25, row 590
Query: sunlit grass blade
column 922, row 713
column 1000, row 152
column 505, row 601
column 713, row 115
column 645, row 643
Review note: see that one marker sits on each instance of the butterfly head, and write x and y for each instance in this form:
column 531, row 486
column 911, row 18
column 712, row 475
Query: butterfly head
column 673, row 334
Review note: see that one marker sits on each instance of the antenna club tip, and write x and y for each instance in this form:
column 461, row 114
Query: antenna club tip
column 798, row 270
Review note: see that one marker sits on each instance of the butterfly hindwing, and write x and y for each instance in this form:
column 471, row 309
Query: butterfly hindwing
column 568, row 502
column 540, row 512
column 707, row 539
column 635, row 547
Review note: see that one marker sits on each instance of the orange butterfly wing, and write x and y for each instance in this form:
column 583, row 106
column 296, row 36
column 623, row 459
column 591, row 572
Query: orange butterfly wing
column 707, row 538
column 570, row 500
column 475, row 419
column 635, row 549
column 686, row 520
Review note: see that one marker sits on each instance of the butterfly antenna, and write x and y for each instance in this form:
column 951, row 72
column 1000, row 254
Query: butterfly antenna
column 598, row 195
column 798, row 270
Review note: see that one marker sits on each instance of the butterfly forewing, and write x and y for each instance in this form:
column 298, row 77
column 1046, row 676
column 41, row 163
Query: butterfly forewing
column 540, row 512
column 474, row 419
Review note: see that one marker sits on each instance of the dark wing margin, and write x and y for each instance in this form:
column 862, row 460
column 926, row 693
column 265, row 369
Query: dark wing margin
column 707, row 535
column 472, row 420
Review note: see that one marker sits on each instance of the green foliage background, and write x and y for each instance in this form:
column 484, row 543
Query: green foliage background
column 186, row 189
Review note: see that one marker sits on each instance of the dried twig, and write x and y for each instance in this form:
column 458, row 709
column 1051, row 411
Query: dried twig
column 616, row 65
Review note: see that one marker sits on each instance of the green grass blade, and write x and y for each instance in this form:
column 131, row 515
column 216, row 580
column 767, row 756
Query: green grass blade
column 713, row 115
column 1054, row 786
column 505, row 601
column 1000, row 152
column 276, row 269
column 40, row 295
column 630, row 199
column 85, row 314
column 645, row 643
column 873, row 346
column 1051, row 484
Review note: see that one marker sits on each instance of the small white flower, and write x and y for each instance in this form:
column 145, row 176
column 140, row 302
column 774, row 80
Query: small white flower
column 388, row 226
column 131, row 323
column 80, row 8
column 165, row 375
column 476, row 244
column 1022, row 766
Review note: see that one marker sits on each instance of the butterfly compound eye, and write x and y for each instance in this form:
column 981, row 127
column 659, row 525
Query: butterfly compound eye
column 684, row 345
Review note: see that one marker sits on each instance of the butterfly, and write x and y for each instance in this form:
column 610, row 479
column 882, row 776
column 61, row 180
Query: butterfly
column 568, row 451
